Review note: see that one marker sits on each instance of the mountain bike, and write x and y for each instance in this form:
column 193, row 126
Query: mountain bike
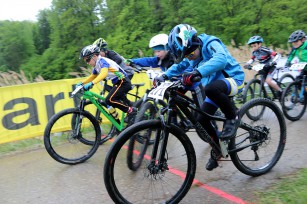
column 179, row 119
column 73, row 135
column 256, row 87
column 109, row 130
column 294, row 97
column 169, row 166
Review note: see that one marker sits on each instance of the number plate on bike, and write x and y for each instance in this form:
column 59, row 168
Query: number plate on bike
column 298, row 66
column 258, row 67
column 158, row 92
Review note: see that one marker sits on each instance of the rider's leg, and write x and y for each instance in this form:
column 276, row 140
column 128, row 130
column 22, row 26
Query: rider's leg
column 210, row 108
column 117, row 93
column 219, row 92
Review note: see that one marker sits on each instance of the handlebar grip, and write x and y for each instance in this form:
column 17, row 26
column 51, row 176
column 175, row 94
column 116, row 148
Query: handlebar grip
column 196, row 79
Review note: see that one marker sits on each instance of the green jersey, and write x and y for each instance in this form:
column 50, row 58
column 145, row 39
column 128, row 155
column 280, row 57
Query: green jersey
column 300, row 52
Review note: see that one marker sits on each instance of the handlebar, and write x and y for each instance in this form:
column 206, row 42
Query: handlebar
column 78, row 88
column 138, row 68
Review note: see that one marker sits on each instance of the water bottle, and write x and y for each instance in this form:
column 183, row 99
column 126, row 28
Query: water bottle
column 113, row 112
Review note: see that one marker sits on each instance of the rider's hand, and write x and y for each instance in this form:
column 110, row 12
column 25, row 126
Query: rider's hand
column 128, row 62
column 247, row 66
column 88, row 86
column 271, row 64
column 159, row 79
column 288, row 64
column 188, row 77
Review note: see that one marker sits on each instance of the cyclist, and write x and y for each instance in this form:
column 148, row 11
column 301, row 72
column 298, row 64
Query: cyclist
column 102, row 68
column 265, row 56
column 111, row 54
column 299, row 49
column 221, row 77
column 162, row 58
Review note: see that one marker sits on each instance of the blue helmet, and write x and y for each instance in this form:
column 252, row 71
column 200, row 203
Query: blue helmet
column 182, row 40
column 255, row 39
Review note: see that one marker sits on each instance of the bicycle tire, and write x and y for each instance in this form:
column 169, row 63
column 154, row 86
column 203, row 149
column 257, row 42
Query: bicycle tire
column 285, row 80
column 253, row 85
column 259, row 152
column 63, row 144
column 180, row 157
column 293, row 108
column 147, row 111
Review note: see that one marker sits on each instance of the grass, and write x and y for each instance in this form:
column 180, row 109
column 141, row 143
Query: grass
column 291, row 190
column 21, row 146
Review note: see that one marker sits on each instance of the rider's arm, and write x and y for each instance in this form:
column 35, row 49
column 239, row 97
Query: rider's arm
column 89, row 78
column 291, row 56
column 217, row 62
column 249, row 62
column 177, row 69
column 102, row 75
column 146, row 61
column 114, row 56
column 275, row 56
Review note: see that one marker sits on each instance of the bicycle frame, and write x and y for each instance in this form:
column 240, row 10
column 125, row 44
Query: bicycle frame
column 94, row 98
column 183, row 103
column 262, row 81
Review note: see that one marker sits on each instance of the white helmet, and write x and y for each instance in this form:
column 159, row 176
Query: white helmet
column 158, row 41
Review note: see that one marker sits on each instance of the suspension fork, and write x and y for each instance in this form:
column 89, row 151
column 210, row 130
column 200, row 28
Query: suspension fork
column 79, row 118
column 162, row 134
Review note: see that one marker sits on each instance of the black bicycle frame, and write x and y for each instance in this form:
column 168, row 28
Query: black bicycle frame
column 183, row 103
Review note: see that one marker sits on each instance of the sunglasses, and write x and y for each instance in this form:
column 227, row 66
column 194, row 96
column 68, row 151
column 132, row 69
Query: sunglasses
column 88, row 59
column 190, row 55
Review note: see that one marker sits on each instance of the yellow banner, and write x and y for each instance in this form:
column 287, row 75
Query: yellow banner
column 27, row 108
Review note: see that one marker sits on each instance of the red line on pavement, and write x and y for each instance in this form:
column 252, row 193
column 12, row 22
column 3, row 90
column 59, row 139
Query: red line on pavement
column 216, row 191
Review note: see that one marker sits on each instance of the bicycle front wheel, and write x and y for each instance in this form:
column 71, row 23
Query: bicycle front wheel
column 72, row 142
column 293, row 102
column 285, row 80
column 151, row 183
column 251, row 91
column 258, row 145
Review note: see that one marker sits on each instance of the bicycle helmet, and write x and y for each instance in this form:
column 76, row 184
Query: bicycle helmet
column 255, row 39
column 159, row 42
column 297, row 35
column 89, row 51
column 101, row 43
column 182, row 40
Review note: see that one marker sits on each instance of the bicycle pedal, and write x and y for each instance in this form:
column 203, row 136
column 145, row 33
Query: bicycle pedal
column 224, row 145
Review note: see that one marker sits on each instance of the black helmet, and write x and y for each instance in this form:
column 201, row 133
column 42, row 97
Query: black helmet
column 297, row 35
column 101, row 43
column 89, row 51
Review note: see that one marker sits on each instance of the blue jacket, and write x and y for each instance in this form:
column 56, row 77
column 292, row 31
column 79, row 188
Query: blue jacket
column 214, row 63
column 155, row 62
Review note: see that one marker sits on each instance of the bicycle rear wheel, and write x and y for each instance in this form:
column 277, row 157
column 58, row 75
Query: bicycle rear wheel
column 293, row 104
column 258, row 145
column 108, row 130
column 151, row 183
column 138, row 143
column 72, row 143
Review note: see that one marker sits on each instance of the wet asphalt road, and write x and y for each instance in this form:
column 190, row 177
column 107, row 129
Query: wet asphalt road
column 34, row 177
